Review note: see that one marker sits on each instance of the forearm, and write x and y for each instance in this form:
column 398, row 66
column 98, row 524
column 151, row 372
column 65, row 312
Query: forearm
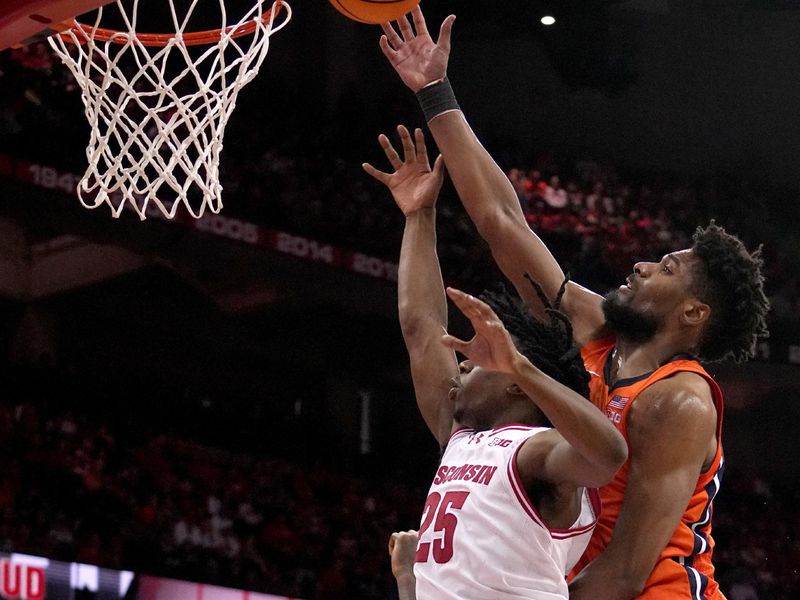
column 492, row 204
column 604, row 580
column 406, row 587
column 578, row 421
column 482, row 186
column 421, row 298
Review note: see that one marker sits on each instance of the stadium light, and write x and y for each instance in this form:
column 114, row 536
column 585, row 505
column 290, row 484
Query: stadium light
column 548, row 20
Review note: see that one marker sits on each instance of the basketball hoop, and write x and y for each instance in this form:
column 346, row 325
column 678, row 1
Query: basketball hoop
column 158, row 107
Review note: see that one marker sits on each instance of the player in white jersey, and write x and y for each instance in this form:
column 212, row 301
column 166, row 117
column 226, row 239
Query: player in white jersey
column 508, row 512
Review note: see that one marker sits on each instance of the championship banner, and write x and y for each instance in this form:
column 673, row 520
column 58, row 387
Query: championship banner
column 782, row 347
column 230, row 228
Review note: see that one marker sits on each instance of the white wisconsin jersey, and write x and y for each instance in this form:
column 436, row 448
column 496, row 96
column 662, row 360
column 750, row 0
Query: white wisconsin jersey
column 481, row 537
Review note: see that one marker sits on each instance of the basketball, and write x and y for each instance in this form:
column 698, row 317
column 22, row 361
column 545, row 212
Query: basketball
column 374, row 12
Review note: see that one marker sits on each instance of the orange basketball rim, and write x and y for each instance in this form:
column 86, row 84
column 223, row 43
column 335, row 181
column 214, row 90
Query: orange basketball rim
column 193, row 38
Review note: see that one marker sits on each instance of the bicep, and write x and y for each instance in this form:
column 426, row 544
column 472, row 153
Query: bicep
column 565, row 464
column 432, row 367
column 656, row 497
column 549, row 457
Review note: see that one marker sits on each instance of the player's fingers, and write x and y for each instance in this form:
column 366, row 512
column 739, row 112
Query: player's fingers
column 391, row 35
column 407, row 540
column 408, row 146
column 438, row 165
column 392, row 542
column 379, row 175
column 469, row 311
column 422, row 150
column 455, row 344
column 486, row 320
column 476, row 304
column 483, row 309
column 419, row 21
column 405, row 28
column 444, row 33
column 461, row 299
column 458, row 297
column 387, row 50
column 467, row 304
column 493, row 329
column 390, row 152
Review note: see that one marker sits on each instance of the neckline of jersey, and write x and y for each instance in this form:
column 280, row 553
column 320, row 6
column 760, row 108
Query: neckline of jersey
column 625, row 382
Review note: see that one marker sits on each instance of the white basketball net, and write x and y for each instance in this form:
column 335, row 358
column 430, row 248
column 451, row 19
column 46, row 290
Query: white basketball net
column 157, row 128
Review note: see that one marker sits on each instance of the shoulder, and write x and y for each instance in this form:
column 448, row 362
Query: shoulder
column 531, row 454
column 458, row 435
column 680, row 402
column 597, row 347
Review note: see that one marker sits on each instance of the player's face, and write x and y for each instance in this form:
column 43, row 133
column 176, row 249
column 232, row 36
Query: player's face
column 652, row 297
column 479, row 395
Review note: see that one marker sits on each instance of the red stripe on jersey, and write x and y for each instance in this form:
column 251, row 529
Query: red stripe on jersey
column 519, row 491
column 459, row 431
column 563, row 534
column 594, row 500
column 522, row 496
column 514, row 427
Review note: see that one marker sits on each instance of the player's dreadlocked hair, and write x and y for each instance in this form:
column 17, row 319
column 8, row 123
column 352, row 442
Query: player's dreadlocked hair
column 728, row 278
column 547, row 344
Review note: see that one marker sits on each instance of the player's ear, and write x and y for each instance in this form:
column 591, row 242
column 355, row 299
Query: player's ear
column 695, row 313
column 515, row 390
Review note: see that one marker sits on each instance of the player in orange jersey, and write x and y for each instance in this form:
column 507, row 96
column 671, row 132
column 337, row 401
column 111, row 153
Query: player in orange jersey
column 641, row 344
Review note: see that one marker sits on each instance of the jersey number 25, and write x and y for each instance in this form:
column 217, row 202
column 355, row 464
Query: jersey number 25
column 436, row 507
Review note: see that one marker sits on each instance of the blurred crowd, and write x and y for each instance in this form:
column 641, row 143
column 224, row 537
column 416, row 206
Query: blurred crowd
column 756, row 528
column 115, row 491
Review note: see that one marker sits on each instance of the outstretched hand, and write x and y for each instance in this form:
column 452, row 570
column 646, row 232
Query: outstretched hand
column 491, row 347
column 416, row 58
column 414, row 185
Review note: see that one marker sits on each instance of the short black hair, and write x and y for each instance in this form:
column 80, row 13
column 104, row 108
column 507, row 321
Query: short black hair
column 729, row 279
column 548, row 344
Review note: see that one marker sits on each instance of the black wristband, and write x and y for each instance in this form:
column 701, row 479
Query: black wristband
column 436, row 99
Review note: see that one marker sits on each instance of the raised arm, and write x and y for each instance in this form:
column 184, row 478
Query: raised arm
column 584, row 448
column 485, row 191
column 420, row 292
column 670, row 429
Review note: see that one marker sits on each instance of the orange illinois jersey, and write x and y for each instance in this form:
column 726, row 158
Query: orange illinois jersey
column 683, row 569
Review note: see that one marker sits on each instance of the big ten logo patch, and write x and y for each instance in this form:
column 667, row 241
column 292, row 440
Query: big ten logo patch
column 500, row 442
column 21, row 582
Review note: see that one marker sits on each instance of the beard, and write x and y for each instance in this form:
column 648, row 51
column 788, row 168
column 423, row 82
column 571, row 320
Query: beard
column 626, row 322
